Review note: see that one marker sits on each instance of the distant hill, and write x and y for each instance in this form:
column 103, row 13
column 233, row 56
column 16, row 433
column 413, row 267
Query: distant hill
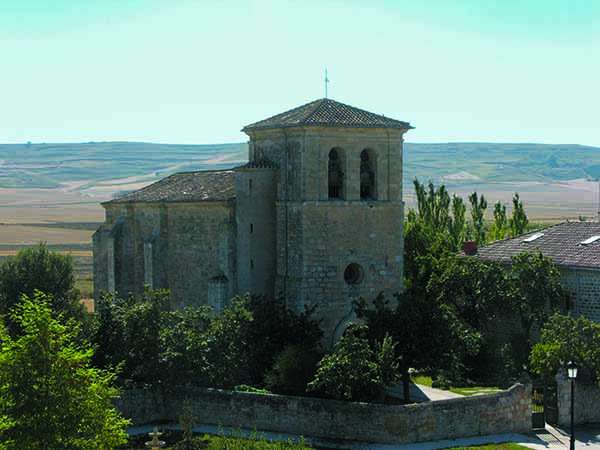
column 92, row 163
column 487, row 162
column 51, row 165
column 551, row 178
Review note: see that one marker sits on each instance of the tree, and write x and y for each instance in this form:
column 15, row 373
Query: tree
column 535, row 293
column 482, row 293
column 476, row 290
column 49, row 391
column 182, row 346
column 34, row 269
column 433, row 205
column 457, row 226
column 565, row 338
column 500, row 228
column 518, row 222
column 151, row 344
column 154, row 345
column 274, row 328
column 430, row 232
column 477, row 293
column 478, row 207
column 354, row 371
column 244, row 341
column 428, row 335
column 293, row 369
column 226, row 346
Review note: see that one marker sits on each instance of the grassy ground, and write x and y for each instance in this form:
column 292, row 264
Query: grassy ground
column 210, row 442
column 491, row 447
column 426, row 380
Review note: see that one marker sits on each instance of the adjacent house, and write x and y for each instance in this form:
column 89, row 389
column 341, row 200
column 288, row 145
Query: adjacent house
column 575, row 249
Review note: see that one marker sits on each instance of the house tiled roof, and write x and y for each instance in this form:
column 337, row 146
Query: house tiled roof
column 561, row 242
column 329, row 113
column 201, row 186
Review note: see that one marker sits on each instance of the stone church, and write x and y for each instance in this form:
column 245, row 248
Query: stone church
column 315, row 217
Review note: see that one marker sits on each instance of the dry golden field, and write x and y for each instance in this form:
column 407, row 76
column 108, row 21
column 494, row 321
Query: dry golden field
column 66, row 218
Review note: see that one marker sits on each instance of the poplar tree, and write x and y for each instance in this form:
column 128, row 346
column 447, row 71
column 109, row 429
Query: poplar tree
column 458, row 223
column 500, row 227
column 478, row 207
column 518, row 222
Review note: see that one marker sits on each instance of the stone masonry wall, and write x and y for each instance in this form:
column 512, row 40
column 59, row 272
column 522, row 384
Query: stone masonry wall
column 587, row 399
column 324, row 238
column 584, row 286
column 255, row 223
column 319, row 237
column 201, row 246
column 190, row 245
column 505, row 412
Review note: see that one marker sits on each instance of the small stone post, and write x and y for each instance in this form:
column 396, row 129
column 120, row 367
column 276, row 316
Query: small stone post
column 155, row 443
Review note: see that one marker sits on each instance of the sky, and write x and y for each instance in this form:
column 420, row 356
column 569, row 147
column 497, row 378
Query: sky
column 197, row 71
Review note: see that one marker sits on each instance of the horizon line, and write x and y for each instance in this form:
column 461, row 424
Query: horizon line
column 84, row 142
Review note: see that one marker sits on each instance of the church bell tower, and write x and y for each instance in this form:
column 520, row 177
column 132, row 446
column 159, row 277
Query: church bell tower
column 337, row 206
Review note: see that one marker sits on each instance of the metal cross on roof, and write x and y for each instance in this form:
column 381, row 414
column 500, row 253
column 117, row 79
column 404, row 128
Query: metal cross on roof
column 326, row 82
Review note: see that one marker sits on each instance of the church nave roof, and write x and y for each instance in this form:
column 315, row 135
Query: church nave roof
column 200, row 186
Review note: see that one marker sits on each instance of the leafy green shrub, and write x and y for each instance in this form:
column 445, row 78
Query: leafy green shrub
column 354, row 371
column 243, row 341
column 38, row 269
column 254, row 443
column 274, row 328
column 50, row 395
column 236, row 441
column 154, row 345
column 441, row 381
column 150, row 343
column 565, row 338
column 294, row 368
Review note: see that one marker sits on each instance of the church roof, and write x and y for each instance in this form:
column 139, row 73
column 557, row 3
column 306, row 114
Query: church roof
column 327, row 113
column 201, row 186
column 568, row 244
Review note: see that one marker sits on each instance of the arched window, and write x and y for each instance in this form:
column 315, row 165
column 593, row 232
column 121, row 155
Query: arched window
column 217, row 293
column 368, row 189
column 335, row 175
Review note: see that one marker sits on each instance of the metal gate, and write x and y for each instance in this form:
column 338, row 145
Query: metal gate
column 550, row 404
column 544, row 408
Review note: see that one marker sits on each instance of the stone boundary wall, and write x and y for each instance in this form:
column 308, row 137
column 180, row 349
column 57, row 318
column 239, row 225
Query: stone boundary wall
column 587, row 400
column 505, row 412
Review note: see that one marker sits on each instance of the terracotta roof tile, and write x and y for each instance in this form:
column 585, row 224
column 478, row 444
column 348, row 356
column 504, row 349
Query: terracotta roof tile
column 201, row 186
column 327, row 112
column 561, row 242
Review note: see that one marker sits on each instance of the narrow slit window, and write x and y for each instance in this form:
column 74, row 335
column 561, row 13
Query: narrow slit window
column 335, row 174
column 367, row 176
column 251, row 228
column 252, row 264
